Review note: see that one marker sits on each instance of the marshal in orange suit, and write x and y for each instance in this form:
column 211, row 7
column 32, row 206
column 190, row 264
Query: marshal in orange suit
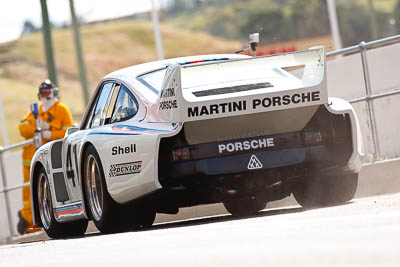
column 53, row 119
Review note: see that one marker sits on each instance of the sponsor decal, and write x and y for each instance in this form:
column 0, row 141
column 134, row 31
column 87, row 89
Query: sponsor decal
column 257, row 103
column 254, row 163
column 168, row 92
column 168, row 104
column 120, row 150
column 125, row 168
column 287, row 99
column 246, row 145
column 217, row 108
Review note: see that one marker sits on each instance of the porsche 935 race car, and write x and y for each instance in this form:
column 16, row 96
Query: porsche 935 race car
column 196, row 130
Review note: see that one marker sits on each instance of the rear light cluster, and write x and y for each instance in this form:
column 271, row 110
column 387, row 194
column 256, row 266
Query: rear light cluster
column 180, row 154
column 312, row 137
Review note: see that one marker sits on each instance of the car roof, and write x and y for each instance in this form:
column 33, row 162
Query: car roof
column 128, row 73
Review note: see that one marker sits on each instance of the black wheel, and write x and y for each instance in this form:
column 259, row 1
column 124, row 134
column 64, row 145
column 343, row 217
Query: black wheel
column 326, row 191
column 53, row 228
column 244, row 206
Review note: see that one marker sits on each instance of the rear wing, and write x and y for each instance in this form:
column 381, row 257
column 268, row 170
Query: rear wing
column 241, row 86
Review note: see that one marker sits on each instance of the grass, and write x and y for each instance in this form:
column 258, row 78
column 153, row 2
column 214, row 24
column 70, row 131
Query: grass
column 107, row 47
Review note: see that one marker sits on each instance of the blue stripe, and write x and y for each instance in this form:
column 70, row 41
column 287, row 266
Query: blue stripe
column 111, row 133
column 127, row 127
column 136, row 128
column 148, row 85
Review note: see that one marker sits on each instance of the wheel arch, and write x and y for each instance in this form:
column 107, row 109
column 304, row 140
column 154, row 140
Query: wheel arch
column 34, row 184
column 85, row 146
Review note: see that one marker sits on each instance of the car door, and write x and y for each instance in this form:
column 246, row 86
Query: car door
column 72, row 143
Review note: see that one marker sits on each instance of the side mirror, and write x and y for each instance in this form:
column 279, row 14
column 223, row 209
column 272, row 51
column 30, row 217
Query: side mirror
column 71, row 130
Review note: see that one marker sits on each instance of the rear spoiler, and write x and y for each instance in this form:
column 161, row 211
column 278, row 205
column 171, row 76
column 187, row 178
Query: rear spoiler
column 178, row 102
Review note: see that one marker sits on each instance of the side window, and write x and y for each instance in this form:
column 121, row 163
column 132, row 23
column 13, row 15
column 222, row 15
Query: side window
column 111, row 106
column 126, row 106
column 99, row 111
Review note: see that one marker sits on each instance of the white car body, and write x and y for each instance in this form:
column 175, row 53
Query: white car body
column 187, row 94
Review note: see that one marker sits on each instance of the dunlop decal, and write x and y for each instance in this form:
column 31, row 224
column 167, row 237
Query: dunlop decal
column 125, row 168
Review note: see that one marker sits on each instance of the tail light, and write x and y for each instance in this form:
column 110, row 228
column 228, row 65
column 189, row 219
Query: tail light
column 312, row 137
column 180, row 154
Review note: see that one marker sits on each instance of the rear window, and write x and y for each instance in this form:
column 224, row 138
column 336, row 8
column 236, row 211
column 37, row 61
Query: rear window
column 202, row 78
column 153, row 80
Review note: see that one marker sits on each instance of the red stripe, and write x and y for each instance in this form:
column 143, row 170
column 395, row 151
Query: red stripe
column 197, row 61
column 67, row 211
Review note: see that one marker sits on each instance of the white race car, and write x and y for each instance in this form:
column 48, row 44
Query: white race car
column 196, row 130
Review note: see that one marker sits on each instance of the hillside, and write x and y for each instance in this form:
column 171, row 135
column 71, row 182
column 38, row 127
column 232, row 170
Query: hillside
column 285, row 20
column 106, row 47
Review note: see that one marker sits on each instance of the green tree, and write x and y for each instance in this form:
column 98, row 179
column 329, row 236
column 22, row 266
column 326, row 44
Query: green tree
column 269, row 23
column 176, row 7
column 309, row 18
column 353, row 23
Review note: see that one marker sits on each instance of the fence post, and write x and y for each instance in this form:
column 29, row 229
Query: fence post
column 7, row 199
column 369, row 101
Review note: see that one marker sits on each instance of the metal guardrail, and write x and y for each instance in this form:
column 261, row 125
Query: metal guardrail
column 362, row 48
column 7, row 189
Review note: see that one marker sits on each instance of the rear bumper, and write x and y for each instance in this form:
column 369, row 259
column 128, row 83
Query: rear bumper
column 314, row 158
column 217, row 179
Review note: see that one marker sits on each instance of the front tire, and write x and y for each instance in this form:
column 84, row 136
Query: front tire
column 239, row 207
column 53, row 228
column 326, row 191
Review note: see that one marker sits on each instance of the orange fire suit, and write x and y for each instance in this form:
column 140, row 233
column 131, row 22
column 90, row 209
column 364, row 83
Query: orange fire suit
column 59, row 118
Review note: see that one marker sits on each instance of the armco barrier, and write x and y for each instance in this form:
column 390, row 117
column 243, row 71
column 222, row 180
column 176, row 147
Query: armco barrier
column 362, row 48
column 369, row 97
column 7, row 189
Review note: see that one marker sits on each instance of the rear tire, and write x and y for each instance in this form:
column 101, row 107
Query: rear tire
column 104, row 210
column 244, row 206
column 53, row 228
column 326, row 191
column 108, row 215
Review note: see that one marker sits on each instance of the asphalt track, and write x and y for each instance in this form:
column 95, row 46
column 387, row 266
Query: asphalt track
column 364, row 232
